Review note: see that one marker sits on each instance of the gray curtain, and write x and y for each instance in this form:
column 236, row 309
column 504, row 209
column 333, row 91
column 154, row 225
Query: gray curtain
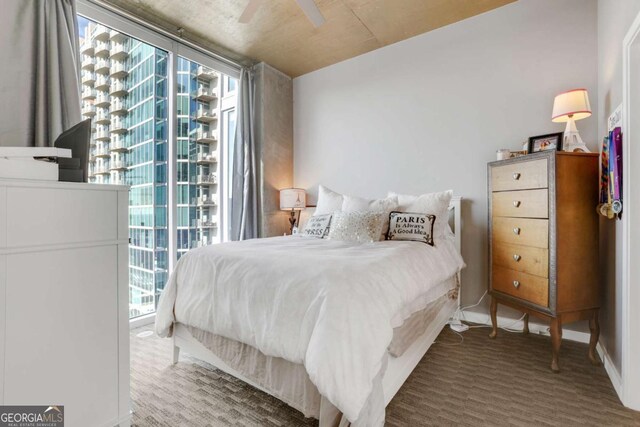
column 244, row 182
column 39, row 57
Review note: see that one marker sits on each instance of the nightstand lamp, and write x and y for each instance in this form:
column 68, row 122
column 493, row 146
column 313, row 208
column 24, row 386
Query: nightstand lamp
column 293, row 199
column 568, row 107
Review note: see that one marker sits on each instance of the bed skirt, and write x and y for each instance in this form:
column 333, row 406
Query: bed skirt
column 290, row 382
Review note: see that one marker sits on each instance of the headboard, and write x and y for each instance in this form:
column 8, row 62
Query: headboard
column 455, row 220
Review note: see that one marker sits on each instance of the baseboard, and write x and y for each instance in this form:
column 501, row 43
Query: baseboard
column 534, row 327
column 142, row 321
column 614, row 375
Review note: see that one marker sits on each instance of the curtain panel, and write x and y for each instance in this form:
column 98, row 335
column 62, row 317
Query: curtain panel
column 39, row 89
column 244, row 185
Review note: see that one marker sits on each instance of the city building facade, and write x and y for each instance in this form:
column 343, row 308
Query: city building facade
column 125, row 93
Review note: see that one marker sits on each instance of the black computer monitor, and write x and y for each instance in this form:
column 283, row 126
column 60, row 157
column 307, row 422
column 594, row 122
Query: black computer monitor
column 77, row 138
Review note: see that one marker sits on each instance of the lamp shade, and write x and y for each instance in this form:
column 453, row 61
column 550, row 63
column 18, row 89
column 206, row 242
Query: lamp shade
column 573, row 104
column 293, row 198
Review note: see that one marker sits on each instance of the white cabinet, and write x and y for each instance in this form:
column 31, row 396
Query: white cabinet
column 64, row 327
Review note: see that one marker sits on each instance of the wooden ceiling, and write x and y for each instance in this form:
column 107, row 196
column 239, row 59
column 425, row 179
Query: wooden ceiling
column 281, row 35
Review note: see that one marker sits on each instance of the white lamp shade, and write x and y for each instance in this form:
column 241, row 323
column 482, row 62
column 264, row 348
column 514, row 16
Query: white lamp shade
column 573, row 104
column 293, row 198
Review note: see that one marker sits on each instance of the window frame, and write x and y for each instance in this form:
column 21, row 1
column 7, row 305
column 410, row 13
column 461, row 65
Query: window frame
column 175, row 47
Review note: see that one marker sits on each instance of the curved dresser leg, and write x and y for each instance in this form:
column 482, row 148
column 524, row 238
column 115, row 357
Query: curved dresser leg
column 556, row 340
column 494, row 318
column 525, row 328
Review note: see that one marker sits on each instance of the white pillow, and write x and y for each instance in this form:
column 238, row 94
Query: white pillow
column 359, row 204
column 359, row 227
column 431, row 203
column 328, row 201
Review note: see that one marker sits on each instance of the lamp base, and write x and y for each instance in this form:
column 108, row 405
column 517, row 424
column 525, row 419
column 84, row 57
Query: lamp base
column 572, row 141
column 292, row 221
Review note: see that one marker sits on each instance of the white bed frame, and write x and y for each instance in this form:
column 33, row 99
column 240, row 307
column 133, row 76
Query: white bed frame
column 398, row 368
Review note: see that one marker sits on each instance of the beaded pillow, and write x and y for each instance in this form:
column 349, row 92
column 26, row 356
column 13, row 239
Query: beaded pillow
column 415, row 227
column 356, row 226
column 386, row 206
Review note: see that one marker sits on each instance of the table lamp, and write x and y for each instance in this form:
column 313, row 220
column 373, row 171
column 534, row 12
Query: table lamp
column 568, row 107
column 293, row 199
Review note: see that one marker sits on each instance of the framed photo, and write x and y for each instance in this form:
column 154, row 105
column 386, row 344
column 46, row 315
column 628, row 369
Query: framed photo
column 552, row 141
column 519, row 153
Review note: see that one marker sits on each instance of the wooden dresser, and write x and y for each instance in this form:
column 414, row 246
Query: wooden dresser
column 543, row 241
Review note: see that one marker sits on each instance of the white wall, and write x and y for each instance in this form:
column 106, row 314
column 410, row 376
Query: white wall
column 614, row 19
column 428, row 113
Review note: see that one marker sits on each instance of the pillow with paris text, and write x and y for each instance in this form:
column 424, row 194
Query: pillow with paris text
column 415, row 227
column 317, row 226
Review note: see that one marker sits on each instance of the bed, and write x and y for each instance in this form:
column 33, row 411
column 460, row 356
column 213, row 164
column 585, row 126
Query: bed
column 331, row 328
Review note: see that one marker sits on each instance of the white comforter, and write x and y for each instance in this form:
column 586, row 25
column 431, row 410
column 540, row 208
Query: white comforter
column 327, row 304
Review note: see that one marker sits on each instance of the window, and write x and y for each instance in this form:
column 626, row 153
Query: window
column 228, row 131
column 230, row 85
column 125, row 90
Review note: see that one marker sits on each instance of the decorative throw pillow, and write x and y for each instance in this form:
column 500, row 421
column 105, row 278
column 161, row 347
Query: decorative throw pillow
column 417, row 227
column 356, row 226
column 328, row 201
column 359, row 204
column 431, row 203
column 317, row 226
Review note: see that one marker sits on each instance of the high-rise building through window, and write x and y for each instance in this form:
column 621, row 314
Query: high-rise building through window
column 125, row 90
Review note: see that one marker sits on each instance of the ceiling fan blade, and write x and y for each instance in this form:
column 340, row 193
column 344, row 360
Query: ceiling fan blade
column 311, row 10
column 249, row 11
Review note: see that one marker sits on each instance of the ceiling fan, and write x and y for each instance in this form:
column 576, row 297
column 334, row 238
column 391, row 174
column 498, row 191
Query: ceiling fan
column 308, row 7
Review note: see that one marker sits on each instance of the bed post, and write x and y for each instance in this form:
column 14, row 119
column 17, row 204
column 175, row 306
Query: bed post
column 454, row 205
column 176, row 351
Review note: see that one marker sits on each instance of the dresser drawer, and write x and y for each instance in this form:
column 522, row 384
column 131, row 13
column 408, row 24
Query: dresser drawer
column 521, row 285
column 520, row 231
column 526, row 259
column 522, row 204
column 520, row 176
column 60, row 215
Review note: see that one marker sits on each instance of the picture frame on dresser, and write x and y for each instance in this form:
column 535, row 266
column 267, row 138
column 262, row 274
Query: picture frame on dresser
column 550, row 141
column 536, row 212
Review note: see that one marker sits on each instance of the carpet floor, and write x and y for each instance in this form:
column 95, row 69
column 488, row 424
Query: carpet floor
column 472, row 381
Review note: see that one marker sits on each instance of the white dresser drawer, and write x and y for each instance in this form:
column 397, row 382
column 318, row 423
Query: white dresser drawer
column 43, row 216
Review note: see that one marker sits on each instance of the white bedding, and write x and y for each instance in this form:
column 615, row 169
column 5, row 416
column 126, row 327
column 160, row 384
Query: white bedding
column 329, row 305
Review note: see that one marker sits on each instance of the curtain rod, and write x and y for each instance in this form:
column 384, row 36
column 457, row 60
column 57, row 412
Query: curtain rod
column 119, row 11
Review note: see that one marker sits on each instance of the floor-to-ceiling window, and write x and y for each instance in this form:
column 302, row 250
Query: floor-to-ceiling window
column 126, row 91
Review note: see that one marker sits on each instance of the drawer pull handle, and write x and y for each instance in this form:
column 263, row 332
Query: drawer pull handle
column 516, row 257
column 516, row 230
column 516, row 176
column 516, row 203
column 516, row 284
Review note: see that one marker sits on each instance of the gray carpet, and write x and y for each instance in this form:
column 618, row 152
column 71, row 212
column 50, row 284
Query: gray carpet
column 477, row 382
